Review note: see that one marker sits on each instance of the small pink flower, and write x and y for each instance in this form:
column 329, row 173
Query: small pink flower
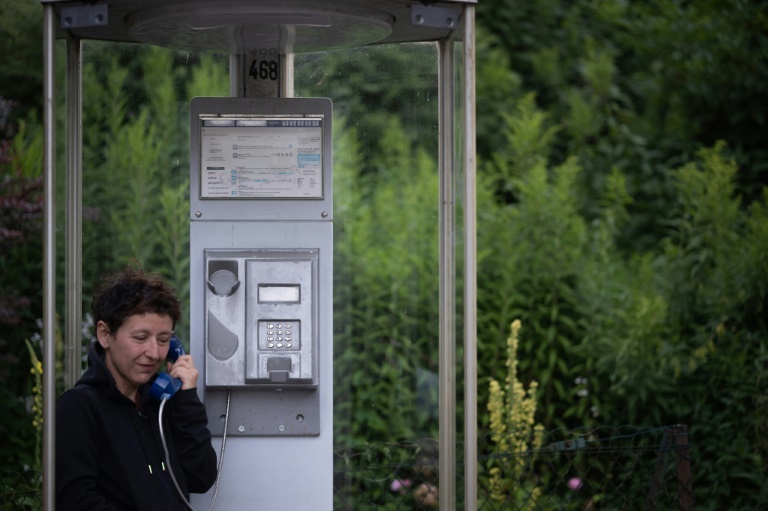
column 399, row 485
column 574, row 483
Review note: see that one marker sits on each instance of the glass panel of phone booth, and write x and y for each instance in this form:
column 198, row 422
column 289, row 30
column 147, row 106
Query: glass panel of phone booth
column 385, row 236
column 385, row 99
column 368, row 109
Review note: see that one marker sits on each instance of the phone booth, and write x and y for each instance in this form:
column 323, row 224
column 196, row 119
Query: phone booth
column 270, row 268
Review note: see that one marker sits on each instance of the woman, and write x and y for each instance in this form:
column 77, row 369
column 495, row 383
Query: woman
column 110, row 452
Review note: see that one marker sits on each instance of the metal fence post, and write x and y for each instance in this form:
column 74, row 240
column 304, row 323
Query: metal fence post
column 657, row 479
column 682, row 452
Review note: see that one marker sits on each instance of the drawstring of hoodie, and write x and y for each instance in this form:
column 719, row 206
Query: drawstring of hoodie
column 153, row 432
column 140, row 434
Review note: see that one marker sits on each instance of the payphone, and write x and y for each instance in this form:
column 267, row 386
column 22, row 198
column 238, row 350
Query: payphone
column 263, row 332
column 261, row 252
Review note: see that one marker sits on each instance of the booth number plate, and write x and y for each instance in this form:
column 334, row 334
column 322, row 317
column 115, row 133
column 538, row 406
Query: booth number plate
column 264, row 69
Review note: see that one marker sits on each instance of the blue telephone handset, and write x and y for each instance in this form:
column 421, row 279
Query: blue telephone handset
column 165, row 385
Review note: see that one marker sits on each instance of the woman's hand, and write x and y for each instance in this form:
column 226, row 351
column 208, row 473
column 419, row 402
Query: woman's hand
column 184, row 370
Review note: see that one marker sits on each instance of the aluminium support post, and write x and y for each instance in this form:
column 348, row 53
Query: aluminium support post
column 49, row 260
column 470, row 266
column 447, row 292
column 73, row 331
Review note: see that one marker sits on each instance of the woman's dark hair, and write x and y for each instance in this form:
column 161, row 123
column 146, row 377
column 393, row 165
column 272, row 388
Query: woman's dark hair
column 130, row 292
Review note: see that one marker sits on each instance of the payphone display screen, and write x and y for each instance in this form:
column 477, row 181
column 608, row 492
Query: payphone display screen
column 279, row 294
column 261, row 157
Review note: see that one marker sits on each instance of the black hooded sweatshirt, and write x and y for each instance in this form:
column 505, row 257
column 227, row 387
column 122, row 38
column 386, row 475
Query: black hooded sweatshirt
column 109, row 453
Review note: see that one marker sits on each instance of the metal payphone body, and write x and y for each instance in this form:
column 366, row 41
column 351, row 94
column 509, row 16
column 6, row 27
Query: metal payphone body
column 261, row 248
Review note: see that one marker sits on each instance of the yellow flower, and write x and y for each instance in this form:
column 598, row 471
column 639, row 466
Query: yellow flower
column 513, row 427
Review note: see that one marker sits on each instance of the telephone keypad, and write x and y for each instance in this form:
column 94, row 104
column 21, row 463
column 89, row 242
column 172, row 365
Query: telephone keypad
column 283, row 335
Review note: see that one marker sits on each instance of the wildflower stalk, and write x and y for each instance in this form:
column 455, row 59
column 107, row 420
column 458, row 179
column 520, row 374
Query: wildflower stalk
column 513, row 430
column 37, row 399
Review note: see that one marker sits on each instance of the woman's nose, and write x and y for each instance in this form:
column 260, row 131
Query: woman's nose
column 153, row 350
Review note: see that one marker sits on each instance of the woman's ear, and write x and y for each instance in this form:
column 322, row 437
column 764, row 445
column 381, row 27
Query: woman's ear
column 102, row 334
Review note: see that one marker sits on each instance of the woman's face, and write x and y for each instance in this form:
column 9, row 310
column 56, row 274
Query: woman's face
column 135, row 351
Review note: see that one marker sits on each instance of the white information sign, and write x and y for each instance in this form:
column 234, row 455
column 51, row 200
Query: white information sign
column 271, row 157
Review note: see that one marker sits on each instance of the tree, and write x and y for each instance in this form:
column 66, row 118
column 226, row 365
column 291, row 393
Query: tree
column 21, row 69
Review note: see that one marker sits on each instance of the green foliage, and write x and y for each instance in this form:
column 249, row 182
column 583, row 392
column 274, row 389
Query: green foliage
column 136, row 177
column 637, row 261
column 498, row 86
column 712, row 261
column 21, row 69
column 26, row 152
column 384, row 294
column 369, row 86
column 710, row 71
column 639, row 86
column 385, row 237
column 530, row 254
column 20, row 289
column 36, row 370
column 135, row 201
column 630, row 338
column 694, row 325
column 714, row 264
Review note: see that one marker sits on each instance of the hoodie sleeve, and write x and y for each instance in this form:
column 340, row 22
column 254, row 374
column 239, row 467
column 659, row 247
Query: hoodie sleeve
column 193, row 441
column 77, row 455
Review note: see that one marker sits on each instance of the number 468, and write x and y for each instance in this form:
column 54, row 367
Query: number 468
column 263, row 69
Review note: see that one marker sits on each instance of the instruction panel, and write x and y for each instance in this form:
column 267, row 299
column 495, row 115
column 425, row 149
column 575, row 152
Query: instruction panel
column 258, row 157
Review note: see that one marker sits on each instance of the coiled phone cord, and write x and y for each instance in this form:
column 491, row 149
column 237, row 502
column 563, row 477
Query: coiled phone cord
column 221, row 456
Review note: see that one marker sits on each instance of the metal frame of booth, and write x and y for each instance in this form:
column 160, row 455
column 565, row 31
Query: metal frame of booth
column 54, row 26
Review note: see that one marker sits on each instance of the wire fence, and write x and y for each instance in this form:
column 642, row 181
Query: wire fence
column 21, row 491
column 596, row 469
column 603, row 468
